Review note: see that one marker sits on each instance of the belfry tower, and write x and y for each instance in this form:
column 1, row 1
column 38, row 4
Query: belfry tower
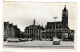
column 65, row 17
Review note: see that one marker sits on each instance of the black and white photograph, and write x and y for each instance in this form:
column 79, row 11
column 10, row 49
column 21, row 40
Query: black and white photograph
column 50, row 25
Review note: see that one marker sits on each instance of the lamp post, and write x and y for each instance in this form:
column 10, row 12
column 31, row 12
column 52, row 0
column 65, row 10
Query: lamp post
column 55, row 25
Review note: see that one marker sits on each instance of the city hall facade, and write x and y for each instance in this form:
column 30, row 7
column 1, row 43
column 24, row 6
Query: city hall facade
column 33, row 31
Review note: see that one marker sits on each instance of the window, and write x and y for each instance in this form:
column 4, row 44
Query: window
column 38, row 31
column 36, row 27
column 29, row 27
column 60, row 26
column 53, row 26
column 28, row 31
column 31, row 31
column 56, row 26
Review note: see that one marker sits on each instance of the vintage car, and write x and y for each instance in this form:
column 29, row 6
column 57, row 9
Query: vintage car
column 43, row 39
column 22, row 39
column 4, row 39
column 56, row 41
column 30, row 39
column 12, row 39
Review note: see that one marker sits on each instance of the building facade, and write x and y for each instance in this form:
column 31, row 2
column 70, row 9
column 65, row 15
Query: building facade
column 11, row 31
column 33, row 31
column 6, row 29
column 50, row 31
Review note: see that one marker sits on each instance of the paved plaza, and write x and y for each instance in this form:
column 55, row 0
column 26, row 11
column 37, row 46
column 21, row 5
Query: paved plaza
column 46, row 44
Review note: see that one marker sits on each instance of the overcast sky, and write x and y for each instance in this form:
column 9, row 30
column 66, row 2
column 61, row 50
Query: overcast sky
column 22, row 14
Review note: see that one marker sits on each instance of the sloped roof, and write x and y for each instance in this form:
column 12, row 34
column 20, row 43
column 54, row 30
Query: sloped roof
column 38, row 27
column 50, row 24
column 15, row 26
column 53, row 23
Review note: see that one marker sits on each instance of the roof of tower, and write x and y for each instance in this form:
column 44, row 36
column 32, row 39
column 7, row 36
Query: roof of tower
column 65, row 8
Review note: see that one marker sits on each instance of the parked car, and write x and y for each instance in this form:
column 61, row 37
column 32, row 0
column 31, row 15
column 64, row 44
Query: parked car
column 51, row 39
column 29, row 39
column 4, row 39
column 43, row 39
column 56, row 41
column 22, row 39
column 47, row 39
column 13, row 40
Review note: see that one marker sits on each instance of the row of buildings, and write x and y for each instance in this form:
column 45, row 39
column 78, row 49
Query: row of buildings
column 57, row 29
column 62, row 30
column 11, row 31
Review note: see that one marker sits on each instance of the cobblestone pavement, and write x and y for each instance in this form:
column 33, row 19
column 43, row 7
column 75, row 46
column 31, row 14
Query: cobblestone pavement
column 63, row 44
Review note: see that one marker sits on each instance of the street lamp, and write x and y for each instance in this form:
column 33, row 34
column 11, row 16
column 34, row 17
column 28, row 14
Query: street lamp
column 55, row 25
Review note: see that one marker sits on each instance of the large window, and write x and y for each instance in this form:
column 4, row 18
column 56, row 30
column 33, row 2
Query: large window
column 60, row 26
column 56, row 26
column 53, row 26
column 36, row 27
column 31, row 31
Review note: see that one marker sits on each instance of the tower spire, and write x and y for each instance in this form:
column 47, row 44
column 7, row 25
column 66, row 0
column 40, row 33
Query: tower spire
column 34, row 22
column 65, row 8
